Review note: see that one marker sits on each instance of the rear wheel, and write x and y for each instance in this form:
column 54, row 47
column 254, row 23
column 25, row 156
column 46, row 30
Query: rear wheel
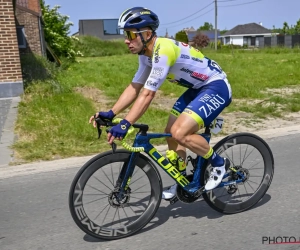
column 94, row 202
column 250, row 156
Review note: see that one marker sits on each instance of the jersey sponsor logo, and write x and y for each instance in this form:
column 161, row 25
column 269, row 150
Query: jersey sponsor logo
column 156, row 54
column 157, row 71
column 195, row 75
column 211, row 104
column 196, row 59
column 151, row 83
column 149, row 61
column 184, row 56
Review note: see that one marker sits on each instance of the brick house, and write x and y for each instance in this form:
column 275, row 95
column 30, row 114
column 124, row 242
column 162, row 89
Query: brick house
column 20, row 32
column 29, row 27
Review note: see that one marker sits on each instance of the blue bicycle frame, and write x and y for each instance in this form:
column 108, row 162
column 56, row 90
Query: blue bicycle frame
column 143, row 140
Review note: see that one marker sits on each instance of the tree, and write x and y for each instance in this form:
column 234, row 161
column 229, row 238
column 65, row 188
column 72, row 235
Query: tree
column 181, row 37
column 206, row 26
column 56, row 30
column 222, row 32
column 285, row 28
column 200, row 41
column 276, row 30
column 297, row 27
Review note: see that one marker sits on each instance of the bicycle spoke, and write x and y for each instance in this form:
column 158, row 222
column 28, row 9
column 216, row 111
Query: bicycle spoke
column 119, row 217
column 138, row 198
column 112, row 175
column 106, row 215
column 139, row 188
column 95, row 200
column 136, row 180
column 113, row 218
column 96, row 189
column 251, row 186
column 101, row 212
column 101, row 182
column 253, row 182
column 94, row 194
column 247, row 156
column 253, row 166
column 107, row 177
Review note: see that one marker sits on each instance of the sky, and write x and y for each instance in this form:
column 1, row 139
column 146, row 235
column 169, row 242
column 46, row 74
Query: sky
column 176, row 15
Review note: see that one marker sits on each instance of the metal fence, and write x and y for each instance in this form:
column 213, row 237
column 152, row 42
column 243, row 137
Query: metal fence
column 289, row 41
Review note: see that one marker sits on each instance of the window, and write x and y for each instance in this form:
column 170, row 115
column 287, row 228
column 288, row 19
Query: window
column 110, row 27
column 21, row 37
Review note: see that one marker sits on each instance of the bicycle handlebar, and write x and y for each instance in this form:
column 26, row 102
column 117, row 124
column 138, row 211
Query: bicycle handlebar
column 107, row 123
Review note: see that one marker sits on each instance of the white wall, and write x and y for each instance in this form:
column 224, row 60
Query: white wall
column 236, row 40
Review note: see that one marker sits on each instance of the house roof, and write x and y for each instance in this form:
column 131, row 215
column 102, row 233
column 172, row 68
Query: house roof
column 209, row 33
column 250, row 28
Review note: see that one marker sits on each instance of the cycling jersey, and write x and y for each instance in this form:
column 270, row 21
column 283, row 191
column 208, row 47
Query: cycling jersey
column 179, row 63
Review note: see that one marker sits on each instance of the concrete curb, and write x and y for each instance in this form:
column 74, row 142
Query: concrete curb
column 76, row 162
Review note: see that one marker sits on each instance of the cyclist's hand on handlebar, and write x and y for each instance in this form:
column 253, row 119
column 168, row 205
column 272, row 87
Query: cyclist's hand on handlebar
column 104, row 115
column 119, row 131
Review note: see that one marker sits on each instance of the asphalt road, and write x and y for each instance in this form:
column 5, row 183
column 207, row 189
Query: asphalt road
column 34, row 213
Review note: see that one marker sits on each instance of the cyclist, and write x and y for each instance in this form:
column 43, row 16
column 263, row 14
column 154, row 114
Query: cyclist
column 208, row 92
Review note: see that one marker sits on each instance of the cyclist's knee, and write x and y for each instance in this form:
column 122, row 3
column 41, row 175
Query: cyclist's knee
column 178, row 134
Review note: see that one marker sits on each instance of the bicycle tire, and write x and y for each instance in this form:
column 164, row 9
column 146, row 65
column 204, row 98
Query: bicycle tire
column 78, row 186
column 242, row 140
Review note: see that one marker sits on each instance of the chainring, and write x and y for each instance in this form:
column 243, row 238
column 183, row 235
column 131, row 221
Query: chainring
column 183, row 195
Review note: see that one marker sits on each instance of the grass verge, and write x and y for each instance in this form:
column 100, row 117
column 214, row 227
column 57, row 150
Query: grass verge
column 53, row 116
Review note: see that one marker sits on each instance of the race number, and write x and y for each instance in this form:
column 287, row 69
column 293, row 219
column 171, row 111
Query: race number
column 216, row 125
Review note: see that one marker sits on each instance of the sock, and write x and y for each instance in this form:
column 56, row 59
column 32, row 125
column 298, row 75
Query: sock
column 213, row 158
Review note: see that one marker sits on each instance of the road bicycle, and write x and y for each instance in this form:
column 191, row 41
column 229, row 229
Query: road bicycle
column 117, row 193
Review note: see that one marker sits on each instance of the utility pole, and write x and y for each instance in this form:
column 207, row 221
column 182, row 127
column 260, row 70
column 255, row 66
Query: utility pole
column 216, row 32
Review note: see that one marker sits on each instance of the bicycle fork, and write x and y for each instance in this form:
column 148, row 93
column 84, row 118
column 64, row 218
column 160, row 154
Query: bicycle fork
column 122, row 188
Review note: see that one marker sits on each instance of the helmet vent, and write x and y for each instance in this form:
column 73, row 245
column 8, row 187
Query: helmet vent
column 136, row 20
column 127, row 17
column 153, row 17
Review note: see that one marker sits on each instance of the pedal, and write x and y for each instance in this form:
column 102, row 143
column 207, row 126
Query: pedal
column 173, row 200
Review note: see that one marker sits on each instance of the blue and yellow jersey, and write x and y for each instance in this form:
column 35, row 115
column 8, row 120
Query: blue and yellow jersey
column 179, row 63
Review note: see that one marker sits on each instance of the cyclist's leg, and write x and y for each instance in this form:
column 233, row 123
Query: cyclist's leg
column 200, row 112
column 177, row 109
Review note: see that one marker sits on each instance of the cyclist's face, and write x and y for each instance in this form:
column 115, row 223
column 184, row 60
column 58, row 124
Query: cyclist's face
column 133, row 39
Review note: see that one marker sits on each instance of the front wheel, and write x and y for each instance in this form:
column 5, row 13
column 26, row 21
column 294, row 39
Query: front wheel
column 251, row 158
column 94, row 202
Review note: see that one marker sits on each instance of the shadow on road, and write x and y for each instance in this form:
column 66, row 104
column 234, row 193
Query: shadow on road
column 198, row 209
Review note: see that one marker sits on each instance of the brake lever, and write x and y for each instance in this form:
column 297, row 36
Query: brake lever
column 113, row 145
column 98, row 121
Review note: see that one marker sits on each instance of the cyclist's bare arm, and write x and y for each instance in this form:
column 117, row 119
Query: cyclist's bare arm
column 130, row 94
column 127, row 97
column 140, row 106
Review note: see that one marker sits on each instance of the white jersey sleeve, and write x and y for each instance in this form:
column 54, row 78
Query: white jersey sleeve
column 163, row 58
column 143, row 71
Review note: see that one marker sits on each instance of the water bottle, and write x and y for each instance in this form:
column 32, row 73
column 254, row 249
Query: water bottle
column 176, row 161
